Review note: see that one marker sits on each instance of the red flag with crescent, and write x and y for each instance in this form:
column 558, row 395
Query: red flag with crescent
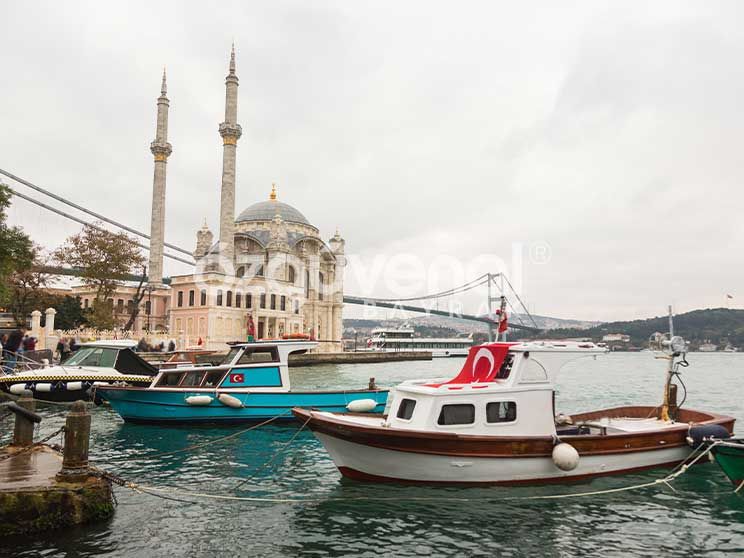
column 482, row 364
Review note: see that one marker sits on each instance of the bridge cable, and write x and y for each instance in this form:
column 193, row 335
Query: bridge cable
column 84, row 210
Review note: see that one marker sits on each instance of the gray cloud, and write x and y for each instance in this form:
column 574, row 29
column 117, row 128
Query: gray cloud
column 608, row 130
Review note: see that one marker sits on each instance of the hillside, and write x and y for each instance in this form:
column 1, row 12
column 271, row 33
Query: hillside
column 717, row 325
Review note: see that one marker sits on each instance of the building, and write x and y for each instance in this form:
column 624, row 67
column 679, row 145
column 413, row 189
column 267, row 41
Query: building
column 270, row 263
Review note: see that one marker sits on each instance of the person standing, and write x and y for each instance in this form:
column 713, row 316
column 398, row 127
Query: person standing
column 251, row 327
column 11, row 348
column 171, row 346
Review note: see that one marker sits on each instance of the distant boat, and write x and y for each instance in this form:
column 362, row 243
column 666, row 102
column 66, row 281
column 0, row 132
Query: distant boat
column 730, row 349
column 708, row 347
column 402, row 339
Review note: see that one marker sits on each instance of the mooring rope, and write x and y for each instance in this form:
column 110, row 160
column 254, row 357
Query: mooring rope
column 164, row 491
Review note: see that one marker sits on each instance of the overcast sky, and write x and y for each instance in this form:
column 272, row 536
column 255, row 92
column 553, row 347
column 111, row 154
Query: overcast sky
column 599, row 140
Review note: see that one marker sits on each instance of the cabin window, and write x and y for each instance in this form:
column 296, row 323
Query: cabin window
column 230, row 356
column 405, row 409
column 192, row 378
column 259, row 354
column 170, row 379
column 213, row 379
column 533, row 371
column 506, row 367
column 461, row 413
column 501, row 411
column 93, row 356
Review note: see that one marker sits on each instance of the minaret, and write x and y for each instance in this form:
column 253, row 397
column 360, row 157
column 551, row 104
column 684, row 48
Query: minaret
column 160, row 149
column 230, row 131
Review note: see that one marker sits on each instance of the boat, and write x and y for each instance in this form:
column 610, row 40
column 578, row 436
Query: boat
column 708, row 347
column 729, row 454
column 250, row 384
column 495, row 423
column 402, row 339
column 95, row 363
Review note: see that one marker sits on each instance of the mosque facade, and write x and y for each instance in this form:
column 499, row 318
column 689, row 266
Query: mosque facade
column 268, row 268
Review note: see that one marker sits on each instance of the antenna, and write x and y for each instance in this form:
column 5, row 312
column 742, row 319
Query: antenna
column 671, row 322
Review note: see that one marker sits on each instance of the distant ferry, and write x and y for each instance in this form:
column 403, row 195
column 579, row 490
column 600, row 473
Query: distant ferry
column 402, row 339
column 708, row 347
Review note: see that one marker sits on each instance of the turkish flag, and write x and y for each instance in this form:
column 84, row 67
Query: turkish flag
column 236, row 378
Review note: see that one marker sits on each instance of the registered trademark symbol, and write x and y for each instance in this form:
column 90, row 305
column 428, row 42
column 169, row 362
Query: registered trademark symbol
column 540, row 252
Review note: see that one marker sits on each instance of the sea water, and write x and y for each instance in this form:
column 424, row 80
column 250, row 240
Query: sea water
column 701, row 516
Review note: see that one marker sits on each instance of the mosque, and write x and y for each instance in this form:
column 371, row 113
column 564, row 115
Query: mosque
column 269, row 265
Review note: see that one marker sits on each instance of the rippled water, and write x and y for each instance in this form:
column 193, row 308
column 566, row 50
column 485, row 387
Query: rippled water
column 346, row 518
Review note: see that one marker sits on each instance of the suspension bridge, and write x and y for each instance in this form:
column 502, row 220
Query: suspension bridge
column 493, row 282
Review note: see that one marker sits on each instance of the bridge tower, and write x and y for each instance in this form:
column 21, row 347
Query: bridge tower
column 160, row 149
column 230, row 131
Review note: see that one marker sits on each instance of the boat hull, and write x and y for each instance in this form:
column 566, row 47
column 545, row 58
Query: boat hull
column 170, row 406
column 731, row 460
column 369, row 464
column 366, row 451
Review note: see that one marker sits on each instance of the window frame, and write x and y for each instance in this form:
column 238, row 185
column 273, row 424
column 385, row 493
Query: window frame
column 502, row 422
column 400, row 406
column 452, row 403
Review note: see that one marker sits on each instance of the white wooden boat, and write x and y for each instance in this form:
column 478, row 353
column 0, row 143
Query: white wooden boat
column 495, row 422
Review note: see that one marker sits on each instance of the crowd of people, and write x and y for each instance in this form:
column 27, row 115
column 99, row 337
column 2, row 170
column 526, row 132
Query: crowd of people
column 13, row 345
column 145, row 347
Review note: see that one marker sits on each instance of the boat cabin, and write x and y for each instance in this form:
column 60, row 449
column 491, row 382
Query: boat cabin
column 260, row 366
column 503, row 389
column 117, row 355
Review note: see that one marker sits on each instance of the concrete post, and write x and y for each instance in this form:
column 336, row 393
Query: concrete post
column 23, row 434
column 49, row 323
column 35, row 323
column 77, row 439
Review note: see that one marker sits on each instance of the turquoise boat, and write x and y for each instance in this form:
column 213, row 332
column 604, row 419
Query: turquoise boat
column 250, row 384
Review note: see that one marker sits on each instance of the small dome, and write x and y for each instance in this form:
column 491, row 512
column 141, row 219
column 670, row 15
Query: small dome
column 266, row 210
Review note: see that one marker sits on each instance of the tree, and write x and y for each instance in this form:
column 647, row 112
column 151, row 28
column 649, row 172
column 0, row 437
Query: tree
column 26, row 289
column 136, row 300
column 103, row 259
column 16, row 248
column 70, row 313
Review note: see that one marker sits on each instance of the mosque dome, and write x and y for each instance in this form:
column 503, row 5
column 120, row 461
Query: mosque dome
column 267, row 210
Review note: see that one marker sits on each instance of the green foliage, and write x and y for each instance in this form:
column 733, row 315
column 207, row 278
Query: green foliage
column 69, row 312
column 16, row 249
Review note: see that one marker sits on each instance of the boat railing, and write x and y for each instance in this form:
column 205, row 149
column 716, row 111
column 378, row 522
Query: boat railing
column 22, row 364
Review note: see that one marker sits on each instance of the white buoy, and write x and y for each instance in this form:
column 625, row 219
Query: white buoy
column 44, row 388
column 200, row 400
column 565, row 457
column 230, row 401
column 17, row 389
column 74, row 386
column 362, row 406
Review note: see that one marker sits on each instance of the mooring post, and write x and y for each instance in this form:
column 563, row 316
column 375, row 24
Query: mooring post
column 23, row 434
column 77, row 439
column 372, row 384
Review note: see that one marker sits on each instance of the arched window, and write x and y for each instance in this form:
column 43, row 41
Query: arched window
column 249, row 300
column 229, row 298
column 238, row 300
column 296, row 306
column 307, row 284
column 262, row 300
column 320, row 286
column 219, row 297
column 259, row 270
column 203, row 297
column 291, row 274
column 283, row 303
column 240, row 272
column 273, row 302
